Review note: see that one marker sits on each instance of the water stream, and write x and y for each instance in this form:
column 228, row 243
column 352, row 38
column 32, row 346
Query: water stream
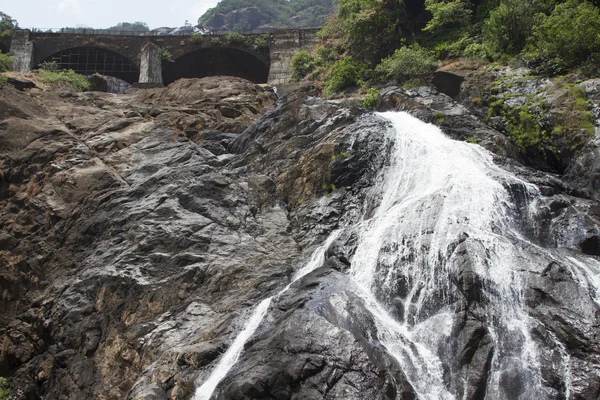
column 434, row 193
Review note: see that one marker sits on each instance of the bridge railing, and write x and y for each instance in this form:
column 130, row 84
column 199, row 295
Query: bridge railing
column 155, row 32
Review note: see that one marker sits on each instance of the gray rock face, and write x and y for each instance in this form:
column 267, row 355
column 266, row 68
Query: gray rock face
column 138, row 232
column 240, row 20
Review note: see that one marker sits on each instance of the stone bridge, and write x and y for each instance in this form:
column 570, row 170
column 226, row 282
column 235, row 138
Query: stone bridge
column 261, row 58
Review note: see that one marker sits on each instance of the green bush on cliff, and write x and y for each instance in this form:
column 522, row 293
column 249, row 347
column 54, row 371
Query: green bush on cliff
column 408, row 63
column 344, row 73
column 566, row 38
column 447, row 14
column 4, row 391
column 68, row 78
column 508, row 26
column 302, row 64
column 6, row 62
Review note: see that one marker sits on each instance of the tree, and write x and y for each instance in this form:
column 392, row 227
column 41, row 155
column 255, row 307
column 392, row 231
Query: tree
column 568, row 36
column 128, row 26
column 447, row 13
column 7, row 24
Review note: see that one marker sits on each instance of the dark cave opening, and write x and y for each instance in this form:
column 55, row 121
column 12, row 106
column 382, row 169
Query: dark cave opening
column 212, row 61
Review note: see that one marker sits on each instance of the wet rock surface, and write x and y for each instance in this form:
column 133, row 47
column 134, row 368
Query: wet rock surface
column 137, row 233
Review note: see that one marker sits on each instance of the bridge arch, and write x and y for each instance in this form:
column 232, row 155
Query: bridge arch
column 217, row 60
column 90, row 59
column 4, row 48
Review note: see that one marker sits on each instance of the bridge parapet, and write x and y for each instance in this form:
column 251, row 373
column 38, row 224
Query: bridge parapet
column 149, row 54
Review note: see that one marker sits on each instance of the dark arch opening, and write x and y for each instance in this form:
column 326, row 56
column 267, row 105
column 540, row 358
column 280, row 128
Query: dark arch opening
column 213, row 61
column 3, row 48
column 89, row 60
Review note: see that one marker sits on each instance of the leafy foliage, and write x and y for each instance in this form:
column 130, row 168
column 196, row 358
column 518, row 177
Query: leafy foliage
column 261, row 42
column 196, row 38
column 371, row 98
column 302, row 64
column 235, row 38
column 49, row 66
column 165, row 54
column 4, row 391
column 509, row 25
column 409, row 62
column 7, row 24
column 280, row 13
column 447, row 13
column 68, row 78
column 567, row 37
column 132, row 27
column 344, row 73
column 6, row 62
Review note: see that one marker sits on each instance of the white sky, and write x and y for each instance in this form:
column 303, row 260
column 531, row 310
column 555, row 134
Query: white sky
column 104, row 13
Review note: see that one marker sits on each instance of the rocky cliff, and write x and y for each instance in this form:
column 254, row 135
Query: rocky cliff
column 138, row 233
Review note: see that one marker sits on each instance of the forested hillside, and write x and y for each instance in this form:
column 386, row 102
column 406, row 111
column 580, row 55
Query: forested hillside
column 244, row 15
column 370, row 40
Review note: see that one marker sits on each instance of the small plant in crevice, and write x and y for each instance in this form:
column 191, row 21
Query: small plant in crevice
column 439, row 117
column 371, row 99
column 165, row 54
column 261, row 42
column 49, row 66
column 196, row 38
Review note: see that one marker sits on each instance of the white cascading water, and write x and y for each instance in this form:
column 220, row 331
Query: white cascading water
column 205, row 391
column 433, row 191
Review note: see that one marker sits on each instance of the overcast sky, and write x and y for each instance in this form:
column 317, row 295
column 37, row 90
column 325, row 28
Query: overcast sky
column 103, row 14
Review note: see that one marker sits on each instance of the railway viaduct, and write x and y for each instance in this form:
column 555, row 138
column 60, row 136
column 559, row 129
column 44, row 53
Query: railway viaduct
column 155, row 60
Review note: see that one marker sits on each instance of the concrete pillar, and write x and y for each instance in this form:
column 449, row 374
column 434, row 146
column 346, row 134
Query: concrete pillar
column 284, row 45
column 151, row 64
column 21, row 48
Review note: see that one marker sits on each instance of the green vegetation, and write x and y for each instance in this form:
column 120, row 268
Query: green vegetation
column 344, row 73
column 439, row 117
column 369, row 102
column 236, row 38
column 567, row 38
column 408, row 63
column 196, row 38
column 371, row 42
column 280, row 13
column 302, row 64
column 6, row 62
column 447, row 14
column 68, row 79
column 3, row 80
column 49, row 66
column 130, row 27
column 7, row 24
column 4, row 391
column 165, row 54
column 261, row 42
column 532, row 125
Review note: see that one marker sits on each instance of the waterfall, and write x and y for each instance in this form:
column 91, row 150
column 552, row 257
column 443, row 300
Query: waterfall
column 434, row 194
column 228, row 360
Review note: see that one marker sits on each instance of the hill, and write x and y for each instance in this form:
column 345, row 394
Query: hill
column 245, row 15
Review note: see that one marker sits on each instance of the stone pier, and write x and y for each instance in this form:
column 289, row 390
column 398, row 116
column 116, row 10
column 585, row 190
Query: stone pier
column 21, row 49
column 151, row 64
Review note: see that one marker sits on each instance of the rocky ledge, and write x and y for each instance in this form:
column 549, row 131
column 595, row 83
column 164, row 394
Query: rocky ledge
column 138, row 231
